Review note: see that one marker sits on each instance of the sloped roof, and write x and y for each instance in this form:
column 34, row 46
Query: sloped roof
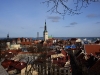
column 96, row 67
column 3, row 71
column 26, row 43
column 73, row 46
column 20, row 65
column 78, row 40
column 73, row 39
column 63, row 52
column 97, row 42
column 92, row 48
column 6, row 63
column 15, row 64
column 70, row 47
column 80, row 56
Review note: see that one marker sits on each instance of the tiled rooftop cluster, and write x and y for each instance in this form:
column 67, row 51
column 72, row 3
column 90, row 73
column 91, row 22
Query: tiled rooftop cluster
column 55, row 52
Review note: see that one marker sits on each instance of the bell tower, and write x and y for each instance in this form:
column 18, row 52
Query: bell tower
column 8, row 42
column 45, row 33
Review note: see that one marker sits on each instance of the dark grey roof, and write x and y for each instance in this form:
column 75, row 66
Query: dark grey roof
column 3, row 71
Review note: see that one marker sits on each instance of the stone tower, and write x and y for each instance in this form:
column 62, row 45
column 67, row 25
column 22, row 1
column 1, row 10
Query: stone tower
column 45, row 33
column 8, row 41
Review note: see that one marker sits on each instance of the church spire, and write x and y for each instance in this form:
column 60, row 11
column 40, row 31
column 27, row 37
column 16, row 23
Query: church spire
column 45, row 27
column 45, row 33
column 8, row 35
column 45, row 22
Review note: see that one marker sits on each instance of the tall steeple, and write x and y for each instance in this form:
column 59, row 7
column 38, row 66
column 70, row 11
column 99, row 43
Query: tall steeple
column 45, row 27
column 8, row 41
column 7, row 35
column 45, row 33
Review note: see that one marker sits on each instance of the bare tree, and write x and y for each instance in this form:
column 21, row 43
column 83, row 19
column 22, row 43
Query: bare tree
column 55, row 6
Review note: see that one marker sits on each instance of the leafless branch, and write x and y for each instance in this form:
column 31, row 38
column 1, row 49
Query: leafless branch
column 78, row 4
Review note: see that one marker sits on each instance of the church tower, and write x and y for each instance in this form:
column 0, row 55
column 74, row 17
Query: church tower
column 7, row 36
column 45, row 33
column 8, row 41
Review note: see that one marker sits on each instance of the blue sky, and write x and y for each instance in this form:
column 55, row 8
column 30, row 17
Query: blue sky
column 24, row 18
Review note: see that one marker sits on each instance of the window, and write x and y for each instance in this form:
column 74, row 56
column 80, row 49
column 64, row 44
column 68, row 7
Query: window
column 57, row 70
column 62, row 71
column 49, row 73
column 49, row 68
column 66, row 70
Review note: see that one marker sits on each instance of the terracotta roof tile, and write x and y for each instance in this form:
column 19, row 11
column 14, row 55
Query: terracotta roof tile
column 6, row 63
column 92, row 48
column 11, row 64
column 20, row 65
column 26, row 43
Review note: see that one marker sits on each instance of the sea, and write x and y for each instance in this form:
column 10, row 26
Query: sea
column 82, row 38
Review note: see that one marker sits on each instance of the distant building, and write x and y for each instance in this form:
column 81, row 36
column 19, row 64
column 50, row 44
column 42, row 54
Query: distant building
column 45, row 33
column 8, row 41
column 37, row 35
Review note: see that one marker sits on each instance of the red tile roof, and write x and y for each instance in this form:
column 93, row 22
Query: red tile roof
column 20, row 65
column 6, row 63
column 60, row 62
column 26, row 43
column 92, row 48
column 64, row 52
column 9, row 53
column 11, row 64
